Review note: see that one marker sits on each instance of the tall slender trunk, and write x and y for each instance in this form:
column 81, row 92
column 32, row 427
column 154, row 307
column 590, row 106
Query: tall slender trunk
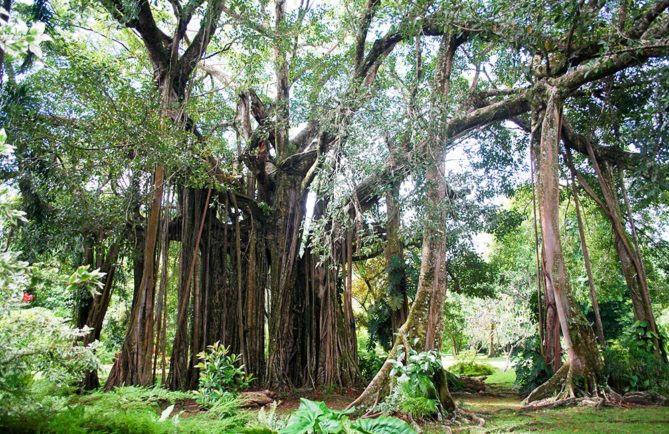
column 425, row 319
column 97, row 309
column 584, row 249
column 630, row 259
column 254, row 315
column 192, row 218
column 394, row 256
column 551, row 345
column 424, row 324
column 583, row 360
column 134, row 363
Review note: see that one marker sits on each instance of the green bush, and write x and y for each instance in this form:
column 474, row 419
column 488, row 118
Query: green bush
column 123, row 410
column 221, row 374
column 419, row 407
column 631, row 365
column 369, row 363
column 530, row 366
column 472, row 369
column 36, row 346
column 317, row 418
column 414, row 391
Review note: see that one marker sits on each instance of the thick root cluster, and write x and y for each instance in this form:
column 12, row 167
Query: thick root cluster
column 569, row 387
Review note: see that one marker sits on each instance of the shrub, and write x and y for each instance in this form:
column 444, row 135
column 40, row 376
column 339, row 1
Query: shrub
column 317, row 418
column 221, row 374
column 419, row 407
column 472, row 369
column 37, row 345
column 123, row 410
column 530, row 365
column 414, row 391
column 631, row 365
column 369, row 363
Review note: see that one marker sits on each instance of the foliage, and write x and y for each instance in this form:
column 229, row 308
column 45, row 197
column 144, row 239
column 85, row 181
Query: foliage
column 631, row 365
column 123, row 410
column 316, row 417
column 414, row 390
column 37, row 345
column 17, row 39
column 472, row 369
column 530, row 365
column 419, row 407
column 221, row 375
column 369, row 363
column 268, row 419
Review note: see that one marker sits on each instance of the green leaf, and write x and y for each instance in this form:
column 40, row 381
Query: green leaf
column 382, row 425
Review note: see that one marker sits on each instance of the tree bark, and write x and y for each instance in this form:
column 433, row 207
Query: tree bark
column 395, row 267
column 284, row 321
column 583, row 360
column 551, row 345
column 192, row 218
column 630, row 259
column 584, row 249
column 134, row 364
column 97, row 309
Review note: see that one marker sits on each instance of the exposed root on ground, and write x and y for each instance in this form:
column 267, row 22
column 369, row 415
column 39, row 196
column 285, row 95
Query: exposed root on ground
column 460, row 417
column 566, row 388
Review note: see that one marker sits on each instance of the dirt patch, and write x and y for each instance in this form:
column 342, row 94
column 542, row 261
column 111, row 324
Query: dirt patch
column 337, row 400
column 184, row 407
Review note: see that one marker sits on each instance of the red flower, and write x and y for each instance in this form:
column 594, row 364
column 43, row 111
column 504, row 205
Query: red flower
column 27, row 298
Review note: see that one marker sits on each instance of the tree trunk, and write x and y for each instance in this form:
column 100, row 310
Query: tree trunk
column 583, row 360
column 192, row 200
column 395, row 267
column 630, row 259
column 551, row 345
column 134, row 364
column 425, row 318
column 285, row 324
column 97, row 309
column 584, row 249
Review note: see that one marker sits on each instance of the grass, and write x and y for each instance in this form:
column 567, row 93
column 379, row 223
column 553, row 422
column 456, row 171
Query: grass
column 137, row 410
column 124, row 410
column 578, row 420
column 502, row 378
column 503, row 413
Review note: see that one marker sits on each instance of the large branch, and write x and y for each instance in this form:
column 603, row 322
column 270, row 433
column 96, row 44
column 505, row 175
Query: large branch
column 609, row 65
column 577, row 142
column 643, row 22
column 197, row 48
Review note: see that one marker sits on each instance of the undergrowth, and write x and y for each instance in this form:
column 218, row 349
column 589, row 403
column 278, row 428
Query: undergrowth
column 126, row 410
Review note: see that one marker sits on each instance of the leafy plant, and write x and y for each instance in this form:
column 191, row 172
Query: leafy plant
column 414, row 391
column 369, row 363
column 221, row 374
column 631, row 365
column 472, row 369
column 316, row 417
column 530, row 366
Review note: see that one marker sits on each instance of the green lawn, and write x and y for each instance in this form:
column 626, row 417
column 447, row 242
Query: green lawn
column 503, row 413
